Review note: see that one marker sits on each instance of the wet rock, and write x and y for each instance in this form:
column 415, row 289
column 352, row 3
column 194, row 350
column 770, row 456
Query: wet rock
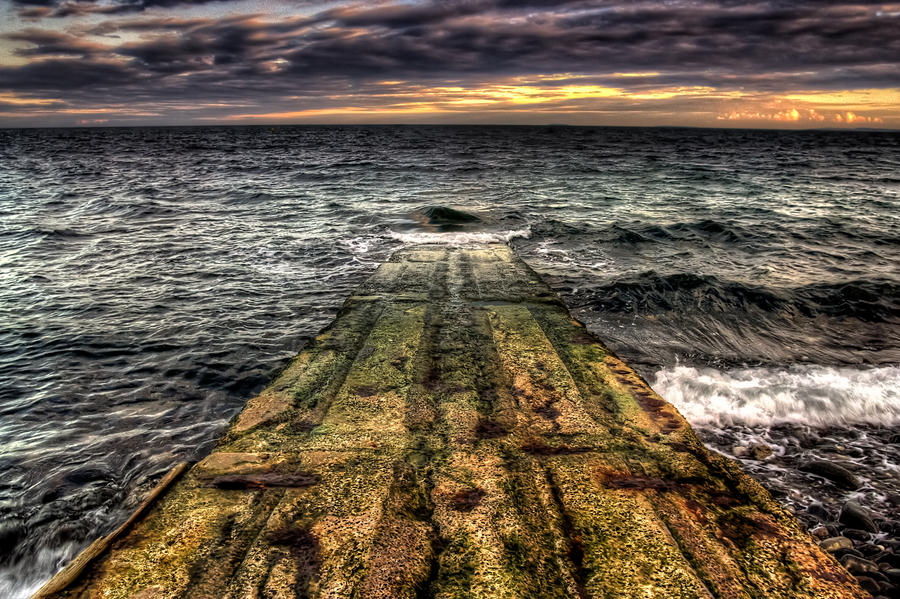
column 760, row 451
column 854, row 516
column 820, row 532
column 893, row 575
column 859, row 565
column 888, row 590
column 819, row 511
column 834, row 543
column 833, row 472
column 856, row 534
column 870, row 550
column 842, row 552
column 892, row 560
column 869, row 584
column 739, row 451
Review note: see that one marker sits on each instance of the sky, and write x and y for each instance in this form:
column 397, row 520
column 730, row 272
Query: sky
column 761, row 64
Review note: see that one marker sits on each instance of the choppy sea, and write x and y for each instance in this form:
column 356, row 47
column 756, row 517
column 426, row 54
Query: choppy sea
column 153, row 279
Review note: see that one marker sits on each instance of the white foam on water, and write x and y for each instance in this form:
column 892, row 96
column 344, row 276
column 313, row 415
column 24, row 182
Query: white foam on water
column 804, row 394
column 458, row 238
column 19, row 582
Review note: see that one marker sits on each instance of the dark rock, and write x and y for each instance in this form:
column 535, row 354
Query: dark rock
column 835, row 543
column 857, row 535
column 854, row 516
column 853, row 452
column 760, row 451
column 869, row 584
column 820, row 532
column 870, row 550
column 888, row 590
column 819, row 511
column 833, row 472
column 842, row 552
column 858, row 565
column 879, row 576
column 893, row 575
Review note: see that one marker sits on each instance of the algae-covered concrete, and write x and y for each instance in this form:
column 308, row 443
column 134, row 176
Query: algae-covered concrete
column 455, row 433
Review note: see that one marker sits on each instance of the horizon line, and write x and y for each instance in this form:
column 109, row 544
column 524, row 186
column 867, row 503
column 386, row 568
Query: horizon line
column 426, row 124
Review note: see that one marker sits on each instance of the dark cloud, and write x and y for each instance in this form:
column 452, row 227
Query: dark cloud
column 68, row 8
column 53, row 43
column 765, row 46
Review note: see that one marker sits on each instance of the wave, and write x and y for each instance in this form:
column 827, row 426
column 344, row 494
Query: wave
column 457, row 238
column 750, row 228
column 682, row 231
column 812, row 395
column 875, row 300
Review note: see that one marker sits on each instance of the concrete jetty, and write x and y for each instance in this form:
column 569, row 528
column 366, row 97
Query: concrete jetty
column 456, row 433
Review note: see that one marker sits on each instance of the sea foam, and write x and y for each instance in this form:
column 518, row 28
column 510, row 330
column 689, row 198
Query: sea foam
column 457, row 238
column 804, row 394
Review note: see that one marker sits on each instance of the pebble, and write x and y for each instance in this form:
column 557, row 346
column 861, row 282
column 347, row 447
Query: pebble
column 739, row 451
column 859, row 565
column 833, row 472
column 861, row 530
column 854, row 516
column 856, row 534
column 869, row 584
column 760, row 451
column 819, row 511
column 834, row 543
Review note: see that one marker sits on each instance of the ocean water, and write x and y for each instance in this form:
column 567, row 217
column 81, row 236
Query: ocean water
column 153, row 279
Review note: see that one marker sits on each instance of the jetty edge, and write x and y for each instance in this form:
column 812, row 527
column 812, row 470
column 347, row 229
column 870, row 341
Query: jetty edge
column 456, row 433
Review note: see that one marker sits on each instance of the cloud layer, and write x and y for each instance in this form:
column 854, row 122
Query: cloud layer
column 690, row 62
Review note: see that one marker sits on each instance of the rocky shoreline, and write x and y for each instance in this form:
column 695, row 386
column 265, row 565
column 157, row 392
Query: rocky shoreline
column 842, row 483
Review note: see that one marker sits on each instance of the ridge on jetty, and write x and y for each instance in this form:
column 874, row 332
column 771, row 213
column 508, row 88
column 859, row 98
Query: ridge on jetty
column 455, row 433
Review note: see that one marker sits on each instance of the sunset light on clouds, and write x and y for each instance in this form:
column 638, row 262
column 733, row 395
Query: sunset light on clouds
column 694, row 63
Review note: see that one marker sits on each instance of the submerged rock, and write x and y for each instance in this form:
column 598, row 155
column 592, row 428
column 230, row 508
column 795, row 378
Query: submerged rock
column 833, row 472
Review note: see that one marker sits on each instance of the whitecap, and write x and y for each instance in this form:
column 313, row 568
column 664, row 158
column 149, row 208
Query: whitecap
column 458, row 238
column 813, row 395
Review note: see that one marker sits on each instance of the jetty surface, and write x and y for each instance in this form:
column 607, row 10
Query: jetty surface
column 456, row 433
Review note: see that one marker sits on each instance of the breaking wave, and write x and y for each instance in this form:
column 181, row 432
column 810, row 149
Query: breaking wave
column 457, row 238
column 813, row 395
